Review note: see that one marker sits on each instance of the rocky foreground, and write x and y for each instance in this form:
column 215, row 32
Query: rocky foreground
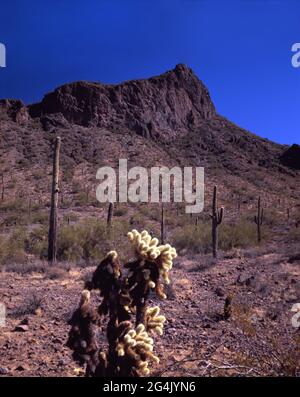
column 257, row 339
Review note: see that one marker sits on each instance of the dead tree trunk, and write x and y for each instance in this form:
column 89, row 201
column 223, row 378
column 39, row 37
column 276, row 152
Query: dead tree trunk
column 52, row 236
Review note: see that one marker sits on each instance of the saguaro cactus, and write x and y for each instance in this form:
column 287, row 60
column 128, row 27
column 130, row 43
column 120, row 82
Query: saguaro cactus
column 52, row 236
column 217, row 217
column 258, row 219
column 110, row 215
column 162, row 224
column 2, row 189
column 29, row 209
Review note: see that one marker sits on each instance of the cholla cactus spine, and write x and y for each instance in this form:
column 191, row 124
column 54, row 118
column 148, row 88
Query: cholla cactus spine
column 217, row 217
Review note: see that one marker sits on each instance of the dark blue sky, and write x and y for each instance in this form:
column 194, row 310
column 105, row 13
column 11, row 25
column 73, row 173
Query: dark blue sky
column 240, row 49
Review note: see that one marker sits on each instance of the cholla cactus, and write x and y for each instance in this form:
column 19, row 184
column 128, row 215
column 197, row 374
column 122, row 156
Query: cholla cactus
column 153, row 261
column 130, row 346
column 82, row 335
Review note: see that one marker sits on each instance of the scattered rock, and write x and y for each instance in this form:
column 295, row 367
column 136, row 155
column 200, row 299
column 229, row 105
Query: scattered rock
column 244, row 279
column 220, row 291
column 4, row 371
column 21, row 368
column 21, row 328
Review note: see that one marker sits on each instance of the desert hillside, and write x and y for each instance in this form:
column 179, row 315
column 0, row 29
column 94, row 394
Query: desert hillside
column 165, row 120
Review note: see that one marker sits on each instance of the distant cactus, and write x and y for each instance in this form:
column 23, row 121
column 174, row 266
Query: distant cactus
column 29, row 209
column 130, row 346
column 217, row 217
column 110, row 215
column 52, row 236
column 228, row 307
column 258, row 219
column 162, row 224
column 2, row 188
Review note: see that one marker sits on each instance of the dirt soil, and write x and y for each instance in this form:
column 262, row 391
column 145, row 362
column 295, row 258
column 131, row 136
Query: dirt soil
column 257, row 339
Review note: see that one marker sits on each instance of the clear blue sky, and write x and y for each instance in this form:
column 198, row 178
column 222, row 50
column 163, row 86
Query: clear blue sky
column 240, row 49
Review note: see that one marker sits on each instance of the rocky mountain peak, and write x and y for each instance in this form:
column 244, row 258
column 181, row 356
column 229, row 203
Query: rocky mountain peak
column 161, row 107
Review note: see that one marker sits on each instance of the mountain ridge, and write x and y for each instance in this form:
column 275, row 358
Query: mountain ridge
column 168, row 119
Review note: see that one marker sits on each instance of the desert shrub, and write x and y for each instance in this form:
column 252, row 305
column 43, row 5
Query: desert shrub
column 37, row 242
column 27, row 267
column 15, row 219
column 152, row 212
column 29, row 305
column 39, row 217
column 137, row 220
column 3, row 250
column 38, row 175
column 88, row 240
column 242, row 234
column 81, row 199
column 271, row 217
column 197, row 239
column 76, row 187
column 12, row 247
column 55, row 273
column 67, row 175
column 120, row 211
column 14, row 205
column 294, row 234
column 70, row 217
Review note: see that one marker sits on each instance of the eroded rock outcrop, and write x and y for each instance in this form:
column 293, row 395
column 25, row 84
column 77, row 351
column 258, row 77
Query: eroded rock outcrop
column 163, row 107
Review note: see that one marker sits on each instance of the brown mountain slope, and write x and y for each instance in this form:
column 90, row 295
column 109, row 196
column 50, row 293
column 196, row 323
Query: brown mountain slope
column 169, row 119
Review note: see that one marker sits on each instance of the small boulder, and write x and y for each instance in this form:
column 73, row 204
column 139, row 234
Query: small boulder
column 21, row 328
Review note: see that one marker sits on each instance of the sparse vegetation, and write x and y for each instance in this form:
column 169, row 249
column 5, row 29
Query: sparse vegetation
column 197, row 239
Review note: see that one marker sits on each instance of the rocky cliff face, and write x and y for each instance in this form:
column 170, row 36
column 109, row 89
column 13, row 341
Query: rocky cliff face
column 15, row 109
column 170, row 116
column 291, row 157
column 160, row 107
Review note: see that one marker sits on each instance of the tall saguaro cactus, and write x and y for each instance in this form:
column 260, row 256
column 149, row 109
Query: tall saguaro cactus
column 52, row 236
column 217, row 217
column 162, row 224
column 258, row 219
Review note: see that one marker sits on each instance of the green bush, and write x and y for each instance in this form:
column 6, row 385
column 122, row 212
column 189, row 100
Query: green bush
column 39, row 217
column 37, row 242
column 194, row 239
column 90, row 240
column 242, row 234
column 197, row 239
column 12, row 247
